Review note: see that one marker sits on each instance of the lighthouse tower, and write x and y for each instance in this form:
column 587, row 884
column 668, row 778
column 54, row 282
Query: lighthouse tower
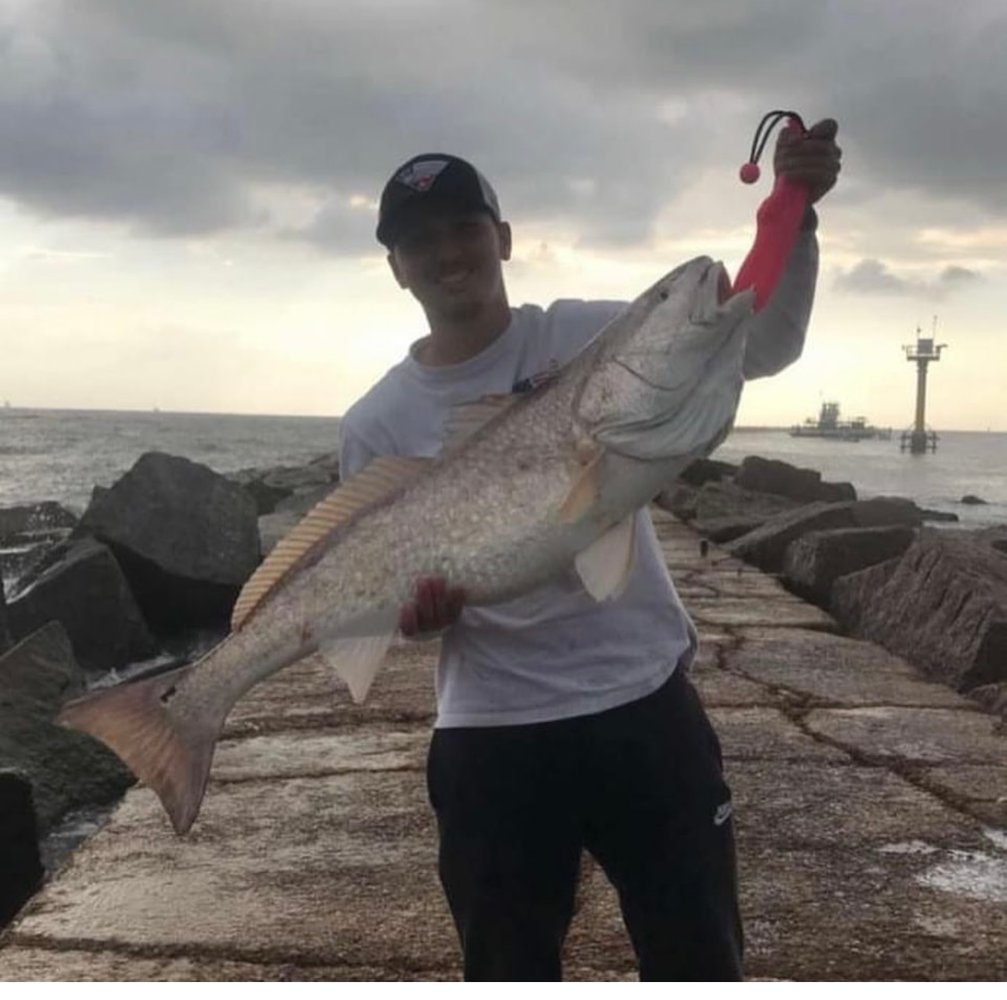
column 919, row 439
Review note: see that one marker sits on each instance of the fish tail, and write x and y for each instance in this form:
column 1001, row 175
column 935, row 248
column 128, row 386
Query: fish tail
column 168, row 751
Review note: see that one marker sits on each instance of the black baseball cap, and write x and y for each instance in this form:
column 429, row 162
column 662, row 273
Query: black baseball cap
column 433, row 177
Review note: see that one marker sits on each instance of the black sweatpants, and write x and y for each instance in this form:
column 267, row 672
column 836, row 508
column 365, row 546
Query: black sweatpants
column 639, row 786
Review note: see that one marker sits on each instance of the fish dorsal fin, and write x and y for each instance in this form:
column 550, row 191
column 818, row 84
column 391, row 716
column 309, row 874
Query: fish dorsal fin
column 464, row 420
column 605, row 565
column 379, row 479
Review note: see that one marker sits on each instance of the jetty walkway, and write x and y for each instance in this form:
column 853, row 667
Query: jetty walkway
column 870, row 809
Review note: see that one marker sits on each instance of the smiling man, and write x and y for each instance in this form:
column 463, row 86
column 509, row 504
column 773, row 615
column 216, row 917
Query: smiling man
column 446, row 247
column 563, row 724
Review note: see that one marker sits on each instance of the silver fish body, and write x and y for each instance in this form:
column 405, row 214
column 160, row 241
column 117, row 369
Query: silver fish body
column 538, row 487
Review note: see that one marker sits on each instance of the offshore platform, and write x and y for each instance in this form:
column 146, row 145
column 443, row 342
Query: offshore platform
column 919, row 440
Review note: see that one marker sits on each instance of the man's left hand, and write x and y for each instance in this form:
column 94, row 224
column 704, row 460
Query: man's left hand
column 811, row 159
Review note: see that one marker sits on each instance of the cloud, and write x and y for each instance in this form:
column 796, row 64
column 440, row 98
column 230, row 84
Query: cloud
column 958, row 277
column 873, row 277
column 167, row 116
column 342, row 227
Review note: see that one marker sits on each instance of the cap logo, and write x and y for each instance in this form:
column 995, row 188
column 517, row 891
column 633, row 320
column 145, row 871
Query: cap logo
column 420, row 175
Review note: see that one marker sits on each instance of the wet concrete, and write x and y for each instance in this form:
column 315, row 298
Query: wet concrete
column 870, row 808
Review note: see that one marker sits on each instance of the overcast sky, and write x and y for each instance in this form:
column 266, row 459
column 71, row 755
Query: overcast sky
column 188, row 187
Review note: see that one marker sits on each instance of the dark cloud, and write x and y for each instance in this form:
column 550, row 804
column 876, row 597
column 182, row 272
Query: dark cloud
column 873, row 277
column 340, row 227
column 958, row 277
column 173, row 116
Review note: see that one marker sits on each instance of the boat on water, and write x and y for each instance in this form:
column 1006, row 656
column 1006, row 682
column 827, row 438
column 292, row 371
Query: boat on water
column 829, row 425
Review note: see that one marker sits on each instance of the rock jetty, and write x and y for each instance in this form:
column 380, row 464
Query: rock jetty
column 937, row 598
column 145, row 577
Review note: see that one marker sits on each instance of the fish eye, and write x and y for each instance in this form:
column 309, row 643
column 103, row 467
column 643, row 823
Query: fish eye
column 663, row 294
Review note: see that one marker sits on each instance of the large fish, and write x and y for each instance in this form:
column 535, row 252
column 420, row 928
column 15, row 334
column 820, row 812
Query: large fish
column 525, row 486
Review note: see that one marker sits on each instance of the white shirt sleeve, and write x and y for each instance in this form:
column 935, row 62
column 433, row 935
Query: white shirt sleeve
column 776, row 337
column 354, row 455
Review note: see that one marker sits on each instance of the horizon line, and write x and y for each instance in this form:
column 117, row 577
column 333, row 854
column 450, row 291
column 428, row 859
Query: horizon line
column 8, row 408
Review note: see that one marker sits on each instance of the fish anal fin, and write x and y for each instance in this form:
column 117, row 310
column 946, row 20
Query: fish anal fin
column 357, row 660
column 604, row 566
column 380, row 479
column 464, row 420
column 170, row 753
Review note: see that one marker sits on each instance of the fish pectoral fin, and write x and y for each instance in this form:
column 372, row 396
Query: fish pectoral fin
column 380, row 479
column 357, row 660
column 464, row 420
column 584, row 491
column 605, row 565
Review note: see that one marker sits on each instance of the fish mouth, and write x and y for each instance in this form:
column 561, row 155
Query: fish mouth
column 724, row 290
column 713, row 291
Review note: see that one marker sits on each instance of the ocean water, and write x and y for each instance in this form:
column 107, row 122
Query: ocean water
column 965, row 462
column 61, row 454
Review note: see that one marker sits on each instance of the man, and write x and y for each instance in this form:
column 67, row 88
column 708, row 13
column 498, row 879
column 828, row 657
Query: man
column 562, row 723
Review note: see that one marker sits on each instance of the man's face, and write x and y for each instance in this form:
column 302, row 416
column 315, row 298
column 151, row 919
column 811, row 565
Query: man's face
column 450, row 258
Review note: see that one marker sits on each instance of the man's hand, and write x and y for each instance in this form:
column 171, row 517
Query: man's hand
column 435, row 607
column 811, row 159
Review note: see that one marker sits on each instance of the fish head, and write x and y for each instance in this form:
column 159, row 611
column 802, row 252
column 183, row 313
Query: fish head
column 665, row 376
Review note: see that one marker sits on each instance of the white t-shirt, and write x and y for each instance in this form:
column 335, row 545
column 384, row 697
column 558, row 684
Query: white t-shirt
column 555, row 652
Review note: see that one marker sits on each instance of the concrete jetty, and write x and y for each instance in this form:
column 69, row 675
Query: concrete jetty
column 870, row 808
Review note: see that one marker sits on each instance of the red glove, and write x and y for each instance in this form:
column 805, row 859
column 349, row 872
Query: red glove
column 806, row 166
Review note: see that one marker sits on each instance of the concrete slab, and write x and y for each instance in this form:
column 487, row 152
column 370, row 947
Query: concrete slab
column 763, row 733
column 863, row 914
column 681, row 544
column 685, row 547
column 321, row 752
column 309, row 694
column 834, row 670
column 720, row 581
column 336, row 871
column 981, row 788
column 714, row 635
column 708, row 657
column 913, row 735
column 28, row 964
column 39, row 964
column 685, row 558
column 740, row 612
column 667, row 525
column 661, row 516
column 722, row 689
column 680, row 559
column 690, row 591
column 800, row 804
